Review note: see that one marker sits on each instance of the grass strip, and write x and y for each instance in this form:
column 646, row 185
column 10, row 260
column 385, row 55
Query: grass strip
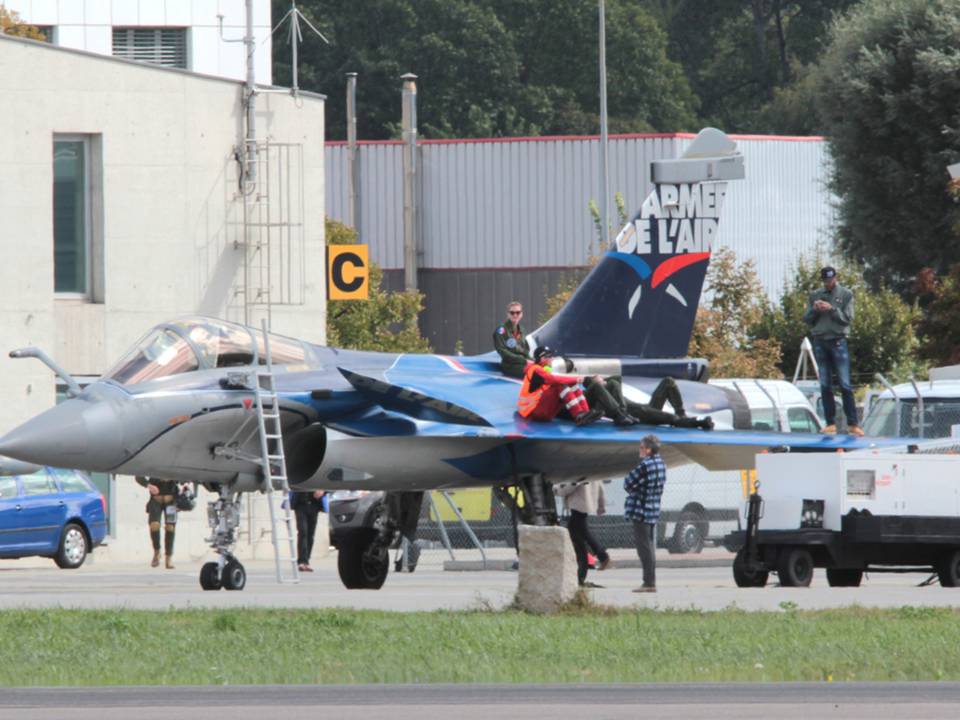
column 254, row 646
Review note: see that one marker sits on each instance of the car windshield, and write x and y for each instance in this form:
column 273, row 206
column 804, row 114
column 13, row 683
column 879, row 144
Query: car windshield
column 887, row 419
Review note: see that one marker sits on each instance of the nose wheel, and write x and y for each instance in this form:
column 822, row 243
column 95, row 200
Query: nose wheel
column 223, row 517
column 233, row 576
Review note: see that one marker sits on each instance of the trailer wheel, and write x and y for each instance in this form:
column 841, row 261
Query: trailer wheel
column 745, row 576
column 795, row 567
column 844, row 577
column 948, row 569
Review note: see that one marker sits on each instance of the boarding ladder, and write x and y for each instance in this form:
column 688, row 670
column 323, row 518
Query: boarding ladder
column 274, row 464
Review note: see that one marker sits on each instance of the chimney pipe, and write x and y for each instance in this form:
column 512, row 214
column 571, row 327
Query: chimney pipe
column 409, row 180
column 353, row 179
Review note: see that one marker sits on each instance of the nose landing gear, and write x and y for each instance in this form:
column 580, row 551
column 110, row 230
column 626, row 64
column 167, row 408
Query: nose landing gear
column 223, row 517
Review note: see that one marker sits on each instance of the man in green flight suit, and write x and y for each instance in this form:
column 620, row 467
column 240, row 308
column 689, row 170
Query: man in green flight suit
column 510, row 343
column 161, row 508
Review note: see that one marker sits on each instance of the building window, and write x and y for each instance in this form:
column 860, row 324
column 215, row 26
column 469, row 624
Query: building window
column 160, row 46
column 48, row 32
column 77, row 216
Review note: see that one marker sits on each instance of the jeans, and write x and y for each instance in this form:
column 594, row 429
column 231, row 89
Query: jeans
column 306, row 528
column 643, row 535
column 583, row 541
column 833, row 355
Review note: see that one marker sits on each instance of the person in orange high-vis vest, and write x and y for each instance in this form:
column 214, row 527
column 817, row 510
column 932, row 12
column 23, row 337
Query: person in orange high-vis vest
column 545, row 395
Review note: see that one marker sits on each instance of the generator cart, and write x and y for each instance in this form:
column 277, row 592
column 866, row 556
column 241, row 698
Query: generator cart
column 876, row 511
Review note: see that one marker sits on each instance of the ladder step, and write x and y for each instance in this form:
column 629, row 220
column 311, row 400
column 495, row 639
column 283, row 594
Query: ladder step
column 270, row 416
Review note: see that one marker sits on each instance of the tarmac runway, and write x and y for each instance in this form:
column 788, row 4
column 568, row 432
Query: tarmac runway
column 702, row 582
column 785, row 701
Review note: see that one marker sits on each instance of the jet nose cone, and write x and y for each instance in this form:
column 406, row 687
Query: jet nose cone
column 74, row 434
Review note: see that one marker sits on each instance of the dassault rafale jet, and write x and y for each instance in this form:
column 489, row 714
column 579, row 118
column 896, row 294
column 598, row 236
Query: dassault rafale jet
column 181, row 403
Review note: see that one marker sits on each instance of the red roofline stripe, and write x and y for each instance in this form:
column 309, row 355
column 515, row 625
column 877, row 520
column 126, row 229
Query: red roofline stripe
column 580, row 138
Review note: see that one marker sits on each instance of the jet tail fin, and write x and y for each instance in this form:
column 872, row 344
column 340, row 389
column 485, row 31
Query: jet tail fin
column 641, row 299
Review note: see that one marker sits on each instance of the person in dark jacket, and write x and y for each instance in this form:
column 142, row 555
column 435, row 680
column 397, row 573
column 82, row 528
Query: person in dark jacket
column 510, row 343
column 829, row 314
column 161, row 508
column 306, row 507
column 644, row 488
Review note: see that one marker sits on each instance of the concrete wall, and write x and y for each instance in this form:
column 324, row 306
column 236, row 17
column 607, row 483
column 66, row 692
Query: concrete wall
column 171, row 216
column 88, row 25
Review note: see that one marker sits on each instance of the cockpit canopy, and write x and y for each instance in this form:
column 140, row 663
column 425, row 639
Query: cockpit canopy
column 200, row 344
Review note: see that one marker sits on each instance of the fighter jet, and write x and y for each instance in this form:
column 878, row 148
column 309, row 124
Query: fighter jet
column 181, row 404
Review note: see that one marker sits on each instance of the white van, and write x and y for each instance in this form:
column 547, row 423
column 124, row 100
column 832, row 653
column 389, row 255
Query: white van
column 700, row 506
column 896, row 412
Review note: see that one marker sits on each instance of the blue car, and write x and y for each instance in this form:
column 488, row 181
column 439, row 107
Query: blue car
column 52, row 513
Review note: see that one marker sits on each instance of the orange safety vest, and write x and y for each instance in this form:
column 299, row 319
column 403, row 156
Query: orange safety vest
column 528, row 400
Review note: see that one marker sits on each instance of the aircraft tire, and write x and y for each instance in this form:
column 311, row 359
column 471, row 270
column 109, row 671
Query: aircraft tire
column 361, row 564
column 234, row 575
column 209, row 577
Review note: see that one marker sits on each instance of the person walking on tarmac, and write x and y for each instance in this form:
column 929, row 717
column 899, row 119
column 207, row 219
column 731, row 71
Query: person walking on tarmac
column 544, row 395
column 583, row 499
column 162, row 506
column 510, row 343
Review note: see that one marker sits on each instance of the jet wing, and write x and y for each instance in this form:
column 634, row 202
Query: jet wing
column 445, row 397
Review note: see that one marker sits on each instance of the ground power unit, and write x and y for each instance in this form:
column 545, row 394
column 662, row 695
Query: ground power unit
column 851, row 513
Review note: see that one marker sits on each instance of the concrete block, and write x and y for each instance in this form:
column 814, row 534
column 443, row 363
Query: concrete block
column 548, row 569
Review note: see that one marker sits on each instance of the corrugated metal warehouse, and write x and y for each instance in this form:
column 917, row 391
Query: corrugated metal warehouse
column 509, row 218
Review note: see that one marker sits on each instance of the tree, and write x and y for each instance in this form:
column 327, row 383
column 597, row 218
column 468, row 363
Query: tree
column 939, row 328
column 464, row 58
column 882, row 337
column 490, row 67
column 11, row 24
column 386, row 322
column 747, row 61
column 557, row 46
column 722, row 330
column 888, row 89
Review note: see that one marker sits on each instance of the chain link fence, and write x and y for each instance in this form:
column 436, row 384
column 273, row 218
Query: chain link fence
column 698, row 509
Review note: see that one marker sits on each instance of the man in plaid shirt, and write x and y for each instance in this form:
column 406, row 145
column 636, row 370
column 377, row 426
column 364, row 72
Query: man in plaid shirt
column 644, row 486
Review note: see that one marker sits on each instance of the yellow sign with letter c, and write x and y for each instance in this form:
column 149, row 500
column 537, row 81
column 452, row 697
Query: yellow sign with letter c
column 348, row 272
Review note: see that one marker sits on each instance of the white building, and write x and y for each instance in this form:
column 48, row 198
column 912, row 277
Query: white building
column 177, row 33
column 121, row 208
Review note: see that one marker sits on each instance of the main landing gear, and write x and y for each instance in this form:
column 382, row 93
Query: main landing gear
column 223, row 516
column 363, row 560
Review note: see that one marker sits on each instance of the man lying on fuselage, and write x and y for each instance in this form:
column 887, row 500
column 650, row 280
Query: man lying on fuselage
column 540, row 398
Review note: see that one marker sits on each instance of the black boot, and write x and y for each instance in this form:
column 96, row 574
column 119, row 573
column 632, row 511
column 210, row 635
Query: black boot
column 588, row 417
column 621, row 419
column 706, row 423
